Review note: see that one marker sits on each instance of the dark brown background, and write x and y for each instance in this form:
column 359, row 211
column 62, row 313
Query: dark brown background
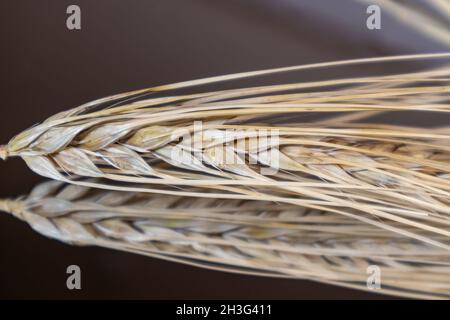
column 126, row 45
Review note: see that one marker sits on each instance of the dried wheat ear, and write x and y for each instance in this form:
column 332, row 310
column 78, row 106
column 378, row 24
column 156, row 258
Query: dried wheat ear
column 244, row 236
column 392, row 179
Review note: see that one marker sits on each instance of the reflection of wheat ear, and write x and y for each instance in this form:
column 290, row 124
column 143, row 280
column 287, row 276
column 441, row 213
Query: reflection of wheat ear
column 252, row 237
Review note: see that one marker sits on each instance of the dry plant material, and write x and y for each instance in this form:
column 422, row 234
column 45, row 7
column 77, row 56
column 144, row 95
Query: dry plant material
column 394, row 180
column 244, row 236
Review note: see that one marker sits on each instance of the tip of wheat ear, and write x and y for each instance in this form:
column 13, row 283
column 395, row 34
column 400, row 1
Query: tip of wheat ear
column 3, row 152
column 13, row 207
column 5, row 205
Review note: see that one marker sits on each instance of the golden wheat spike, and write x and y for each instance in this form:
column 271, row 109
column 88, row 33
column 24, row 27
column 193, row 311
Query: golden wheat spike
column 252, row 237
column 392, row 177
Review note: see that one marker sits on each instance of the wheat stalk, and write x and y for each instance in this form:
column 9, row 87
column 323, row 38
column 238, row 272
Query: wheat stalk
column 392, row 177
column 251, row 237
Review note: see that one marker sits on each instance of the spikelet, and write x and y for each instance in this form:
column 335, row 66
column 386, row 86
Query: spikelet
column 244, row 236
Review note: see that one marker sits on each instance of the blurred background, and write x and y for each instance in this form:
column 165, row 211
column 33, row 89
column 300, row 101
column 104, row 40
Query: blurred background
column 127, row 45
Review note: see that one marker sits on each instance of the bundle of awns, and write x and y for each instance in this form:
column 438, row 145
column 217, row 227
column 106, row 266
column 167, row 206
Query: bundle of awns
column 239, row 180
